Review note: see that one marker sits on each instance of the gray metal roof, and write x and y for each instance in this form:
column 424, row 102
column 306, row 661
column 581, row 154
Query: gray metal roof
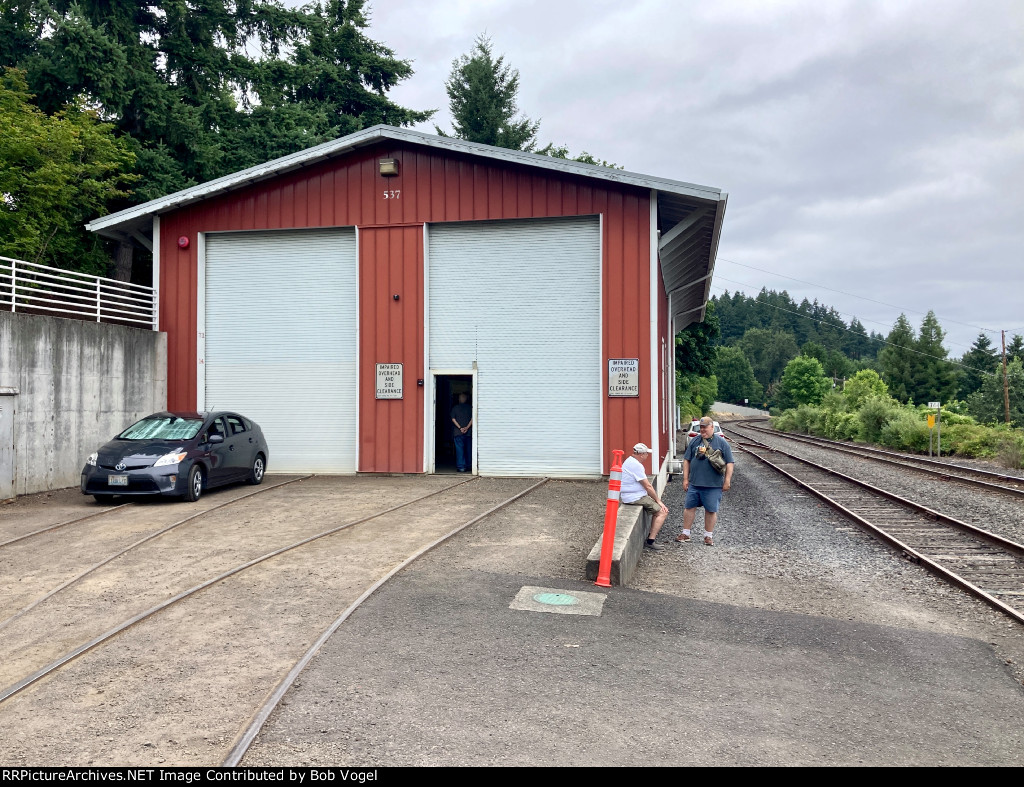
column 689, row 216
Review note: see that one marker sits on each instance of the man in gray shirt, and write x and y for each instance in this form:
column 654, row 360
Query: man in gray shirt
column 702, row 483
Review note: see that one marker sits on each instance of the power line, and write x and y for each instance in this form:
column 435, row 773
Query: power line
column 881, row 341
column 852, row 295
column 843, row 314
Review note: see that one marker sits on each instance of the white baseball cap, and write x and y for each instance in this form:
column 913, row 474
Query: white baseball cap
column 640, row 448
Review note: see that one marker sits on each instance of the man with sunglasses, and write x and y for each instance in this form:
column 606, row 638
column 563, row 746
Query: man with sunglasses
column 702, row 483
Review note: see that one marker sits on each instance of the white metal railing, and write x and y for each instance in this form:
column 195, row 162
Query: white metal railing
column 28, row 287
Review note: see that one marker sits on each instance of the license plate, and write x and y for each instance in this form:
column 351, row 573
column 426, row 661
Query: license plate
column 117, row 480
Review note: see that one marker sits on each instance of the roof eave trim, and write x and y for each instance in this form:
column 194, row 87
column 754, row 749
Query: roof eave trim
column 336, row 147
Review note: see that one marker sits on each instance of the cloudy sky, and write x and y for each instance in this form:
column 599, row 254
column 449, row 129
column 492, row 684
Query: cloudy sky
column 872, row 149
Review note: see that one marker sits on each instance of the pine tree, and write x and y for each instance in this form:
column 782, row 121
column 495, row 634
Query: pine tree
column 935, row 379
column 483, row 95
column 202, row 88
column 1015, row 348
column 896, row 360
column 979, row 362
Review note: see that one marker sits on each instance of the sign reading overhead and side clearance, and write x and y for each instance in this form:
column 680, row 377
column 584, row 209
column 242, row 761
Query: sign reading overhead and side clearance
column 623, row 376
column 389, row 381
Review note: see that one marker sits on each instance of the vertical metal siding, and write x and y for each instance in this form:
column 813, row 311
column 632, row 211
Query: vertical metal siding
column 280, row 341
column 391, row 430
column 521, row 300
column 436, row 187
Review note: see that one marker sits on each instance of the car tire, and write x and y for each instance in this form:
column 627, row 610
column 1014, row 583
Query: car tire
column 194, row 490
column 104, row 499
column 259, row 467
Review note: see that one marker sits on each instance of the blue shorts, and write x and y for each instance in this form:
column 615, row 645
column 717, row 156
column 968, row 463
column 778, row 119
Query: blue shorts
column 707, row 496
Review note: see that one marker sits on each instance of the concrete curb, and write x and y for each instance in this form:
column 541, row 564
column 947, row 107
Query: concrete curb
column 631, row 529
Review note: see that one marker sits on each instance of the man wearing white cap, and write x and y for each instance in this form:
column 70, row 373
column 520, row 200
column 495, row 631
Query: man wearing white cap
column 636, row 490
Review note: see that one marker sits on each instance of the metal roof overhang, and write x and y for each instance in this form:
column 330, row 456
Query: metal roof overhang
column 689, row 216
column 689, row 232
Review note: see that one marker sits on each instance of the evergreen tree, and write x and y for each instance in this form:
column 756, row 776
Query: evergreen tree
column 768, row 352
column 897, row 360
column 695, row 345
column 978, row 362
column 1015, row 349
column 483, row 95
column 988, row 405
column 203, row 88
column 934, row 378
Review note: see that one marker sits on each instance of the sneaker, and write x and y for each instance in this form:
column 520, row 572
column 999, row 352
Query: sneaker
column 653, row 547
column 683, row 539
column 708, row 541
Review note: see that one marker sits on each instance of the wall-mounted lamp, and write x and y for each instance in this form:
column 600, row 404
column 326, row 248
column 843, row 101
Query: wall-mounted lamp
column 395, row 296
column 388, row 167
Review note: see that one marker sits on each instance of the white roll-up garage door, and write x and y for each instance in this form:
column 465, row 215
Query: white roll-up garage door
column 523, row 300
column 281, row 341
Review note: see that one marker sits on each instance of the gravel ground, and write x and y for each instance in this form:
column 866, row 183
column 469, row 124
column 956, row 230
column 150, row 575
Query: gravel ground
column 779, row 548
column 998, row 513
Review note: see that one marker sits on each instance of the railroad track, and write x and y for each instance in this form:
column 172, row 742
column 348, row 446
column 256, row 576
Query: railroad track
column 214, row 586
column 120, row 553
column 947, row 471
column 982, row 563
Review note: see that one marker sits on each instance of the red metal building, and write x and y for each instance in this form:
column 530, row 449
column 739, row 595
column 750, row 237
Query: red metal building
column 344, row 295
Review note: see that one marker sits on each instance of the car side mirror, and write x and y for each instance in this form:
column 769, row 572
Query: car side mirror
column 215, row 438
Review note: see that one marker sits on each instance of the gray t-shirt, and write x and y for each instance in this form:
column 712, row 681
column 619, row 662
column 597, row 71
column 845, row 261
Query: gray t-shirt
column 701, row 471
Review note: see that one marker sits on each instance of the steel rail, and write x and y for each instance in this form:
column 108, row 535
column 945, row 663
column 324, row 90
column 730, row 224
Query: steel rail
column 878, row 455
column 140, row 542
column 24, row 683
column 246, row 738
column 908, row 551
column 48, row 528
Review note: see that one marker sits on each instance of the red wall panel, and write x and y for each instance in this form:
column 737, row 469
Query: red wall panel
column 434, row 186
column 391, row 430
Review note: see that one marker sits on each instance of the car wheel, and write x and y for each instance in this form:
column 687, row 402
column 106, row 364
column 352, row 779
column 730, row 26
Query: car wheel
column 104, row 499
column 195, row 485
column 259, row 466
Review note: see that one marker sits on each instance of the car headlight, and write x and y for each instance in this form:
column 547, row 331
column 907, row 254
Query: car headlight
column 92, row 459
column 170, row 459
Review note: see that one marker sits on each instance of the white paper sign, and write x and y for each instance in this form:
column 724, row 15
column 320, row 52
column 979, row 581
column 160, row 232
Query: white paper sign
column 389, row 381
column 623, row 376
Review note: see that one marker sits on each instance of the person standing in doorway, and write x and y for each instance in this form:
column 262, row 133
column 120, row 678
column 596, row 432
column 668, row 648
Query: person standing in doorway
column 462, row 420
column 702, row 483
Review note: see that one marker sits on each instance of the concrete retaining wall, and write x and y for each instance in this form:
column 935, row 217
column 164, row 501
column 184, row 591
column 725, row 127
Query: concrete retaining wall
column 78, row 384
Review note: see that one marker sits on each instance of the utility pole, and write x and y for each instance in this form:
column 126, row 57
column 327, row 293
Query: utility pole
column 1006, row 384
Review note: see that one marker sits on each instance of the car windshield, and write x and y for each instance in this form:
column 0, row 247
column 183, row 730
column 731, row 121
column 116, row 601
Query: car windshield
column 168, row 427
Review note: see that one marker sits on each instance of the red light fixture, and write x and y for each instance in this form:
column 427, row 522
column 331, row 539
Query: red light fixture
column 183, row 242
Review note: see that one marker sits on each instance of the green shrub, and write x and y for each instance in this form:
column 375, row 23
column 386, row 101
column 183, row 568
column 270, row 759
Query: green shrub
column 969, row 440
column 834, row 402
column 1010, row 452
column 873, row 415
column 841, row 426
column 785, row 421
column 905, row 431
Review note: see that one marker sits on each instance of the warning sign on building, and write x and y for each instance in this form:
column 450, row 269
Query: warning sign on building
column 389, row 381
column 623, row 376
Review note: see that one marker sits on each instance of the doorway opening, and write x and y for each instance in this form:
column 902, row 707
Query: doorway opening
column 448, row 387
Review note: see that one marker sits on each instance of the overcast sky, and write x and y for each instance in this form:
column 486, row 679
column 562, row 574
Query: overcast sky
column 876, row 148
